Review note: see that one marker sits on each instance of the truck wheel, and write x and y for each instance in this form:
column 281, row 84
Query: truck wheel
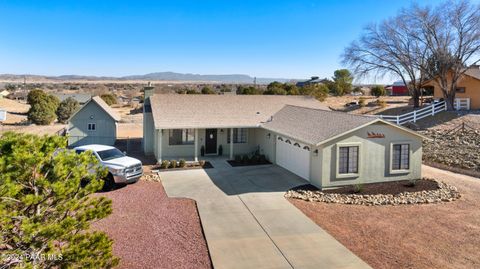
column 109, row 183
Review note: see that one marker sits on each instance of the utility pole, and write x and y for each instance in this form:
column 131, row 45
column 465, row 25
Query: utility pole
column 255, row 82
column 25, row 91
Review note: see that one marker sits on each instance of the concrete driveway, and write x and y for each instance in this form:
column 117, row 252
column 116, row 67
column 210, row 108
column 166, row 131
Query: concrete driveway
column 249, row 224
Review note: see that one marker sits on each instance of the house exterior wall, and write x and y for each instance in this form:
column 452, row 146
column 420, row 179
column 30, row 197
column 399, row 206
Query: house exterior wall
column 105, row 127
column 472, row 90
column 375, row 155
column 187, row 151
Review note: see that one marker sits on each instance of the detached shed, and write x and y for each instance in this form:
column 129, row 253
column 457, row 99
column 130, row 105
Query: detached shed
column 94, row 123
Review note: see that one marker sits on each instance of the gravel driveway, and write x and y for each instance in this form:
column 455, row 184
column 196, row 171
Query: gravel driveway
column 151, row 230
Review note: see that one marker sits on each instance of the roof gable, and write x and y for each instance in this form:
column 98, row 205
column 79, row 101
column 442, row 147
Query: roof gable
column 104, row 106
column 313, row 126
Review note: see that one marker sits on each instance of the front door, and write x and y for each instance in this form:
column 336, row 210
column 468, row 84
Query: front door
column 211, row 141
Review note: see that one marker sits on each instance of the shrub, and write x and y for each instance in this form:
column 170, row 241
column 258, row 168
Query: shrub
column 255, row 159
column 381, row 103
column 361, row 102
column 66, row 109
column 165, row 164
column 245, row 159
column 173, row 164
column 357, row 188
column 207, row 90
column 263, row 158
column 378, row 91
column 201, row 163
column 110, row 99
column 182, row 163
column 238, row 158
column 43, row 208
column 412, row 183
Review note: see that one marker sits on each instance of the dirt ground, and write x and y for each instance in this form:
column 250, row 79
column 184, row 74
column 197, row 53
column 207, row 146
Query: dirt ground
column 449, row 119
column 445, row 235
column 395, row 104
column 151, row 230
column 16, row 111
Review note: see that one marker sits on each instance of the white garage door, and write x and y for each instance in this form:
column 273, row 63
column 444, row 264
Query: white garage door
column 293, row 156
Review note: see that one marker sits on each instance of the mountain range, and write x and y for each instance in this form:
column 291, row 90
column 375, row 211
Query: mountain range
column 157, row 76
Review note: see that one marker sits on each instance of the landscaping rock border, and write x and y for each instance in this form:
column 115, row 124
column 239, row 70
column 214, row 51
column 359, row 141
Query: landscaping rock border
column 444, row 193
column 154, row 177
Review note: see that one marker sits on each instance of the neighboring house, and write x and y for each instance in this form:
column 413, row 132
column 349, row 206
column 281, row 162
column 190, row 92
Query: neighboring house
column 467, row 95
column 4, row 93
column 81, row 98
column 298, row 133
column 311, row 81
column 94, row 123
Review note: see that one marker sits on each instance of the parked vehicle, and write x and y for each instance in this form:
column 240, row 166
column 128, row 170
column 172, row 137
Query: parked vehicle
column 121, row 168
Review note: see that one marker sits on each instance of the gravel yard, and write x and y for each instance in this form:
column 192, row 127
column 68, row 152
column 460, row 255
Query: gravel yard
column 455, row 141
column 151, row 230
column 445, row 235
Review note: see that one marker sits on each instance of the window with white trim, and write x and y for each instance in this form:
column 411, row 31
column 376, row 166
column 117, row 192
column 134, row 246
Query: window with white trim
column 348, row 160
column 91, row 127
column 181, row 137
column 400, row 157
column 239, row 135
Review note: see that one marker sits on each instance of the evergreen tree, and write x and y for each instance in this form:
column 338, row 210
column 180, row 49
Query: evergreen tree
column 42, row 107
column 46, row 210
column 66, row 109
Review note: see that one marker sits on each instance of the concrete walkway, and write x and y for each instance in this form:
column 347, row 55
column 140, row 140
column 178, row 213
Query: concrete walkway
column 249, row 224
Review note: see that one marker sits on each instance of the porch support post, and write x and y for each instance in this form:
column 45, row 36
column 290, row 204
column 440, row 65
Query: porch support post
column 231, row 143
column 196, row 145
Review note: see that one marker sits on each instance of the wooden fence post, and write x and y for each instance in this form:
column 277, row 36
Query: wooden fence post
column 433, row 109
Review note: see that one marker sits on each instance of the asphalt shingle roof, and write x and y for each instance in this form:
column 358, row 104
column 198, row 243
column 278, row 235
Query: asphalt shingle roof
column 106, row 107
column 313, row 126
column 175, row 111
column 82, row 98
column 473, row 72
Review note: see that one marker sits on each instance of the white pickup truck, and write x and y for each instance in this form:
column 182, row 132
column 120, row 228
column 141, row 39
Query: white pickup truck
column 121, row 168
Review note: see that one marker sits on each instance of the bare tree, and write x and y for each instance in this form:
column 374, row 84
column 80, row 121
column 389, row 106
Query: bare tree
column 451, row 35
column 388, row 48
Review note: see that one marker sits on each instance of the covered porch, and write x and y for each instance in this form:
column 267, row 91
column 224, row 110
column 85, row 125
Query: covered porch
column 192, row 144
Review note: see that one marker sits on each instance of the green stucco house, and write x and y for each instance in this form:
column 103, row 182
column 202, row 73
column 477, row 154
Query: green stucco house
column 94, row 123
column 298, row 133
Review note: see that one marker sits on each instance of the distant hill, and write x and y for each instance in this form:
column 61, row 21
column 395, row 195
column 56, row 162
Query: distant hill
column 158, row 76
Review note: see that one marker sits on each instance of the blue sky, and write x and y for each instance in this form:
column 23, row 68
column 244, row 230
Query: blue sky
column 289, row 39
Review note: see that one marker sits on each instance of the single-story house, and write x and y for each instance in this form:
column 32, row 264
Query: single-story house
column 312, row 81
column 298, row 133
column 467, row 94
column 4, row 93
column 94, row 123
column 81, row 98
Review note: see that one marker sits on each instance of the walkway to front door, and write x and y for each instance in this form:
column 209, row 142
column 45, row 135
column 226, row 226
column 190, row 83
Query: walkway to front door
column 249, row 224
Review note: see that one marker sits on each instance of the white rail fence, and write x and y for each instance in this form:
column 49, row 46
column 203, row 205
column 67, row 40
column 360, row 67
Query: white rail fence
column 416, row 114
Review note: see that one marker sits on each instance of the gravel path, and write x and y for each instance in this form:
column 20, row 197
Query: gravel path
column 445, row 235
column 151, row 230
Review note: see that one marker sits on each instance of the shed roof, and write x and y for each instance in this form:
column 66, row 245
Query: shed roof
column 82, row 98
column 313, row 126
column 175, row 111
